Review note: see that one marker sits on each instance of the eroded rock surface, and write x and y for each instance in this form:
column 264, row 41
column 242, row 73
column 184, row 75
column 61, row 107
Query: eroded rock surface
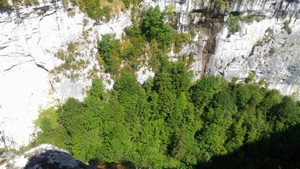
column 264, row 47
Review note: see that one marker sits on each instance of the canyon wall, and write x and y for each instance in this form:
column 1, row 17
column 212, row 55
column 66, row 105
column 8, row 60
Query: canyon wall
column 267, row 46
column 31, row 38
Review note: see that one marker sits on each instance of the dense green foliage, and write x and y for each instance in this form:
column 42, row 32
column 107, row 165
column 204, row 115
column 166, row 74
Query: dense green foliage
column 233, row 24
column 153, row 27
column 280, row 150
column 4, row 4
column 106, row 47
column 168, row 122
column 234, row 21
column 146, row 42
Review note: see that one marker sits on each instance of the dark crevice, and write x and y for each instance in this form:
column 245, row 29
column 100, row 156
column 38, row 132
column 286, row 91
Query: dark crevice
column 41, row 66
column 13, row 66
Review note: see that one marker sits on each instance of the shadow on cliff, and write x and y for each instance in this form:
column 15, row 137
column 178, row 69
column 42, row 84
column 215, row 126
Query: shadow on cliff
column 279, row 151
column 55, row 159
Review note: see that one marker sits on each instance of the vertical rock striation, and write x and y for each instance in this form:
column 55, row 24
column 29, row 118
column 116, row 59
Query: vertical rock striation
column 264, row 46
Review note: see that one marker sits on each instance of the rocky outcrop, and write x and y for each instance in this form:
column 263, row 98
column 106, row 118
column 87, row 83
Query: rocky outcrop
column 47, row 156
column 266, row 8
column 267, row 46
column 264, row 47
column 43, row 156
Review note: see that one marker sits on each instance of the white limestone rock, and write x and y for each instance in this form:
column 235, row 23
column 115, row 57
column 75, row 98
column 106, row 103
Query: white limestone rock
column 264, row 47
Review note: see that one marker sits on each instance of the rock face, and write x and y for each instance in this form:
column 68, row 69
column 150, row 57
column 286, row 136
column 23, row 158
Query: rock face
column 47, row 156
column 265, row 47
column 29, row 39
column 267, row 8
column 43, row 156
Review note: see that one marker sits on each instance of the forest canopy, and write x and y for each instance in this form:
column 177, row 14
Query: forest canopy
column 167, row 122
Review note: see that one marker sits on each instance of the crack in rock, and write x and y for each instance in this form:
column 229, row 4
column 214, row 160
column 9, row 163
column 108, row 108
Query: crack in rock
column 3, row 47
column 42, row 67
column 13, row 66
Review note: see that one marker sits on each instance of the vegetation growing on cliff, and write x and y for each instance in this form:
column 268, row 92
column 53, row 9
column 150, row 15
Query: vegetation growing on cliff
column 96, row 9
column 169, row 122
column 146, row 42
column 234, row 22
column 287, row 27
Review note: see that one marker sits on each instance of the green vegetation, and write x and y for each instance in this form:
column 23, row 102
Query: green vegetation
column 96, row 9
column 144, row 43
column 286, row 27
column 248, row 18
column 153, row 27
column 103, row 9
column 4, row 4
column 168, row 122
column 250, row 77
column 222, row 6
column 72, row 62
column 30, row 2
column 233, row 24
column 106, row 47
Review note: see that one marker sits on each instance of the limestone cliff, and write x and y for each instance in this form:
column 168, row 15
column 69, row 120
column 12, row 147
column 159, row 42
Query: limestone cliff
column 267, row 46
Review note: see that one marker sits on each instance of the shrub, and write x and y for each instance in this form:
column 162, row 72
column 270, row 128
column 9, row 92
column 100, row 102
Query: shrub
column 286, row 27
column 221, row 6
column 106, row 48
column 233, row 24
column 250, row 76
column 248, row 18
column 4, row 4
column 153, row 27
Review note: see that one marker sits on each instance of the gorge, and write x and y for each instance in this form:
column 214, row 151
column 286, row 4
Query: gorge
column 232, row 39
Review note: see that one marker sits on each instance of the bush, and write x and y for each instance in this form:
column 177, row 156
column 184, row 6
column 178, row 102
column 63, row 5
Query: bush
column 248, row 18
column 233, row 24
column 286, row 27
column 250, row 76
column 105, row 48
column 4, row 4
column 153, row 27
column 221, row 6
